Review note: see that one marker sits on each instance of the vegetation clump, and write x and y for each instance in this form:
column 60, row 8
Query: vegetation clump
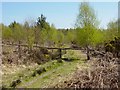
column 15, row 83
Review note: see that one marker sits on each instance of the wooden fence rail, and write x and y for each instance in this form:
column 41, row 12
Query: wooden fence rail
column 37, row 46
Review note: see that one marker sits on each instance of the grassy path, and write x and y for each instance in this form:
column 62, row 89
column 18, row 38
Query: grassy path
column 53, row 76
column 56, row 72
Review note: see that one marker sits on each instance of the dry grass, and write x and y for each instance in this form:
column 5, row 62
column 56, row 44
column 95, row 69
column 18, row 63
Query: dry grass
column 99, row 74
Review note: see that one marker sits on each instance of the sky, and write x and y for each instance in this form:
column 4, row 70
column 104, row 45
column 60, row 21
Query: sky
column 61, row 14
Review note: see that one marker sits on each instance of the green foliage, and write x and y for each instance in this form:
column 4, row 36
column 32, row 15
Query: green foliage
column 70, row 36
column 112, row 30
column 98, row 37
column 1, row 26
column 18, row 33
column 119, row 27
column 43, row 35
column 52, row 34
column 81, row 37
column 86, row 16
column 48, row 36
column 14, row 31
column 60, row 37
column 30, row 38
column 37, row 35
column 6, row 33
column 86, row 24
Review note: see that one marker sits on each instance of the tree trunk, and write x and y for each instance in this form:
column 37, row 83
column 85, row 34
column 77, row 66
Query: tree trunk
column 88, row 54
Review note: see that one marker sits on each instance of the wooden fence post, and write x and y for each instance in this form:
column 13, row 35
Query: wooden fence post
column 60, row 54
